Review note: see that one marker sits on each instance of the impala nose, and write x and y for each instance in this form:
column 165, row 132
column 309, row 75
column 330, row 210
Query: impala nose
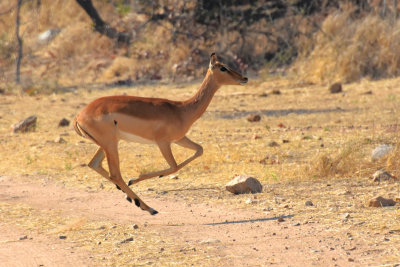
column 244, row 80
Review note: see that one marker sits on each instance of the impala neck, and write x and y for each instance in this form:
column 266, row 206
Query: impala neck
column 197, row 105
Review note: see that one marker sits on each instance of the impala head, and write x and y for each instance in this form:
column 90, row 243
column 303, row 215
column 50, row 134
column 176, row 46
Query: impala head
column 225, row 75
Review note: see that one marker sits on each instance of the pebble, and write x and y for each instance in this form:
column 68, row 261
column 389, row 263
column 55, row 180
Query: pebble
column 309, row 203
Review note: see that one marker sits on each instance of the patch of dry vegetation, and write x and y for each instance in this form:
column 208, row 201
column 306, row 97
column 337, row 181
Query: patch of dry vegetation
column 329, row 141
column 349, row 47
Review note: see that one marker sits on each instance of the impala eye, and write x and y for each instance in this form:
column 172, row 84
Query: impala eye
column 223, row 69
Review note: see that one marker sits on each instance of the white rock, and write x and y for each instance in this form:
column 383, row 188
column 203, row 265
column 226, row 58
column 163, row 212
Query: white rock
column 381, row 151
column 210, row 241
column 244, row 184
column 47, row 36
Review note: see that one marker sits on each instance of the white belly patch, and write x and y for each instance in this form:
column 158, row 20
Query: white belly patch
column 134, row 138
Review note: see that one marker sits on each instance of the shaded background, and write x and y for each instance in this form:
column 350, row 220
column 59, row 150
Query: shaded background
column 130, row 41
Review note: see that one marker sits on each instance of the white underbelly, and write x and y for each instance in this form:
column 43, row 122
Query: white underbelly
column 134, row 138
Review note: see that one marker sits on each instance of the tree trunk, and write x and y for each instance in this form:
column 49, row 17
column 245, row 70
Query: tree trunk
column 101, row 26
column 19, row 42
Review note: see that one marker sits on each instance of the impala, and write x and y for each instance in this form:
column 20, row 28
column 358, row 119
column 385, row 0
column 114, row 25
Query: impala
column 107, row 120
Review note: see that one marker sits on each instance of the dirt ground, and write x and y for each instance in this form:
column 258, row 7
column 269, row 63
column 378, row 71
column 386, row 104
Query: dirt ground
column 55, row 211
column 228, row 235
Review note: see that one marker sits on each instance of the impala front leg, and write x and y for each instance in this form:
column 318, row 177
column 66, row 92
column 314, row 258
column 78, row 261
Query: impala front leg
column 165, row 148
column 167, row 153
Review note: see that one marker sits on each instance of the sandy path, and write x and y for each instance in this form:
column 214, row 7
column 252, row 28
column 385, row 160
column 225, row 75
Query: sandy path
column 243, row 238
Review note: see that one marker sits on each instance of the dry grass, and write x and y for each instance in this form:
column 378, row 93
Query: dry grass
column 348, row 49
column 330, row 141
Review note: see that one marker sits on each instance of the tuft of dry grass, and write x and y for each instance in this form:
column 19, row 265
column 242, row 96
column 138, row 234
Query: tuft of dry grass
column 349, row 48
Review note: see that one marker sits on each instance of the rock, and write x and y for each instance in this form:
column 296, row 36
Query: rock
column 60, row 140
column 273, row 144
column 129, row 239
column 335, row 88
column 62, row 237
column 244, row 184
column 249, row 201
column 174, row 177
column 47, row 36
column 63, row 123
column 256, row 137
column 381, row 202
column 382, row 175
column 254, row 118
column 381, row 151
column 210, row 241
column 135, row 226
column 276, row 92
column 26, row 125
column 309, row 203
column 345, row 216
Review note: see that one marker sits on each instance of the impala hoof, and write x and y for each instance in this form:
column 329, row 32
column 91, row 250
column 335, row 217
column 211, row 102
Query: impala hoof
column 129, row 199
column 131, row 182
column 153, row 212
column 137, row 202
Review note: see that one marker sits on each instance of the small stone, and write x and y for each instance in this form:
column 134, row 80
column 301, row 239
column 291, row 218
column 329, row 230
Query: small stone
column 249, row 201
column 129, row 239
column 281, row 219
column 335, row 88
column 244, row 184
column 60, row 140
column 382, row 175
column 345, row 216
column 276, row 92
column 135, row 226
column 210, row 241
column 285, row 141
column 63, row 122
column 62, row 237
column 254, row 118
column 23, row 237
column 381, row 202
column 296, row 224
column 309, row 203
column 174, row 177
column 26, row 125
column 350, row 259
column 273, row 144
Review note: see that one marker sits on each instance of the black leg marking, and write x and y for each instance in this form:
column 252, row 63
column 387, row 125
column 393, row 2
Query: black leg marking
column 137, row 202
column 154, row 212
column 130, row 182
column 129, row 199
column 115, row 122
column 119, row 188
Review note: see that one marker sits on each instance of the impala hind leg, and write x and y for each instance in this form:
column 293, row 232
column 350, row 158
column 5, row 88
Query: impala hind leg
column 96, row 165
column 169, row 157
column 116, row 178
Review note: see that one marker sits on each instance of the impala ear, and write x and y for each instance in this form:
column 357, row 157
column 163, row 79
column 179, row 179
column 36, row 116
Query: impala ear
column 213, row 60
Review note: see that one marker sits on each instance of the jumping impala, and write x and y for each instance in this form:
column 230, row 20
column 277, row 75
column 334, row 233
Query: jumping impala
column 107, row 120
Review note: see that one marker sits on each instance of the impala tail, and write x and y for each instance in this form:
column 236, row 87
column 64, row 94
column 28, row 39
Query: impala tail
column 80, row 131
